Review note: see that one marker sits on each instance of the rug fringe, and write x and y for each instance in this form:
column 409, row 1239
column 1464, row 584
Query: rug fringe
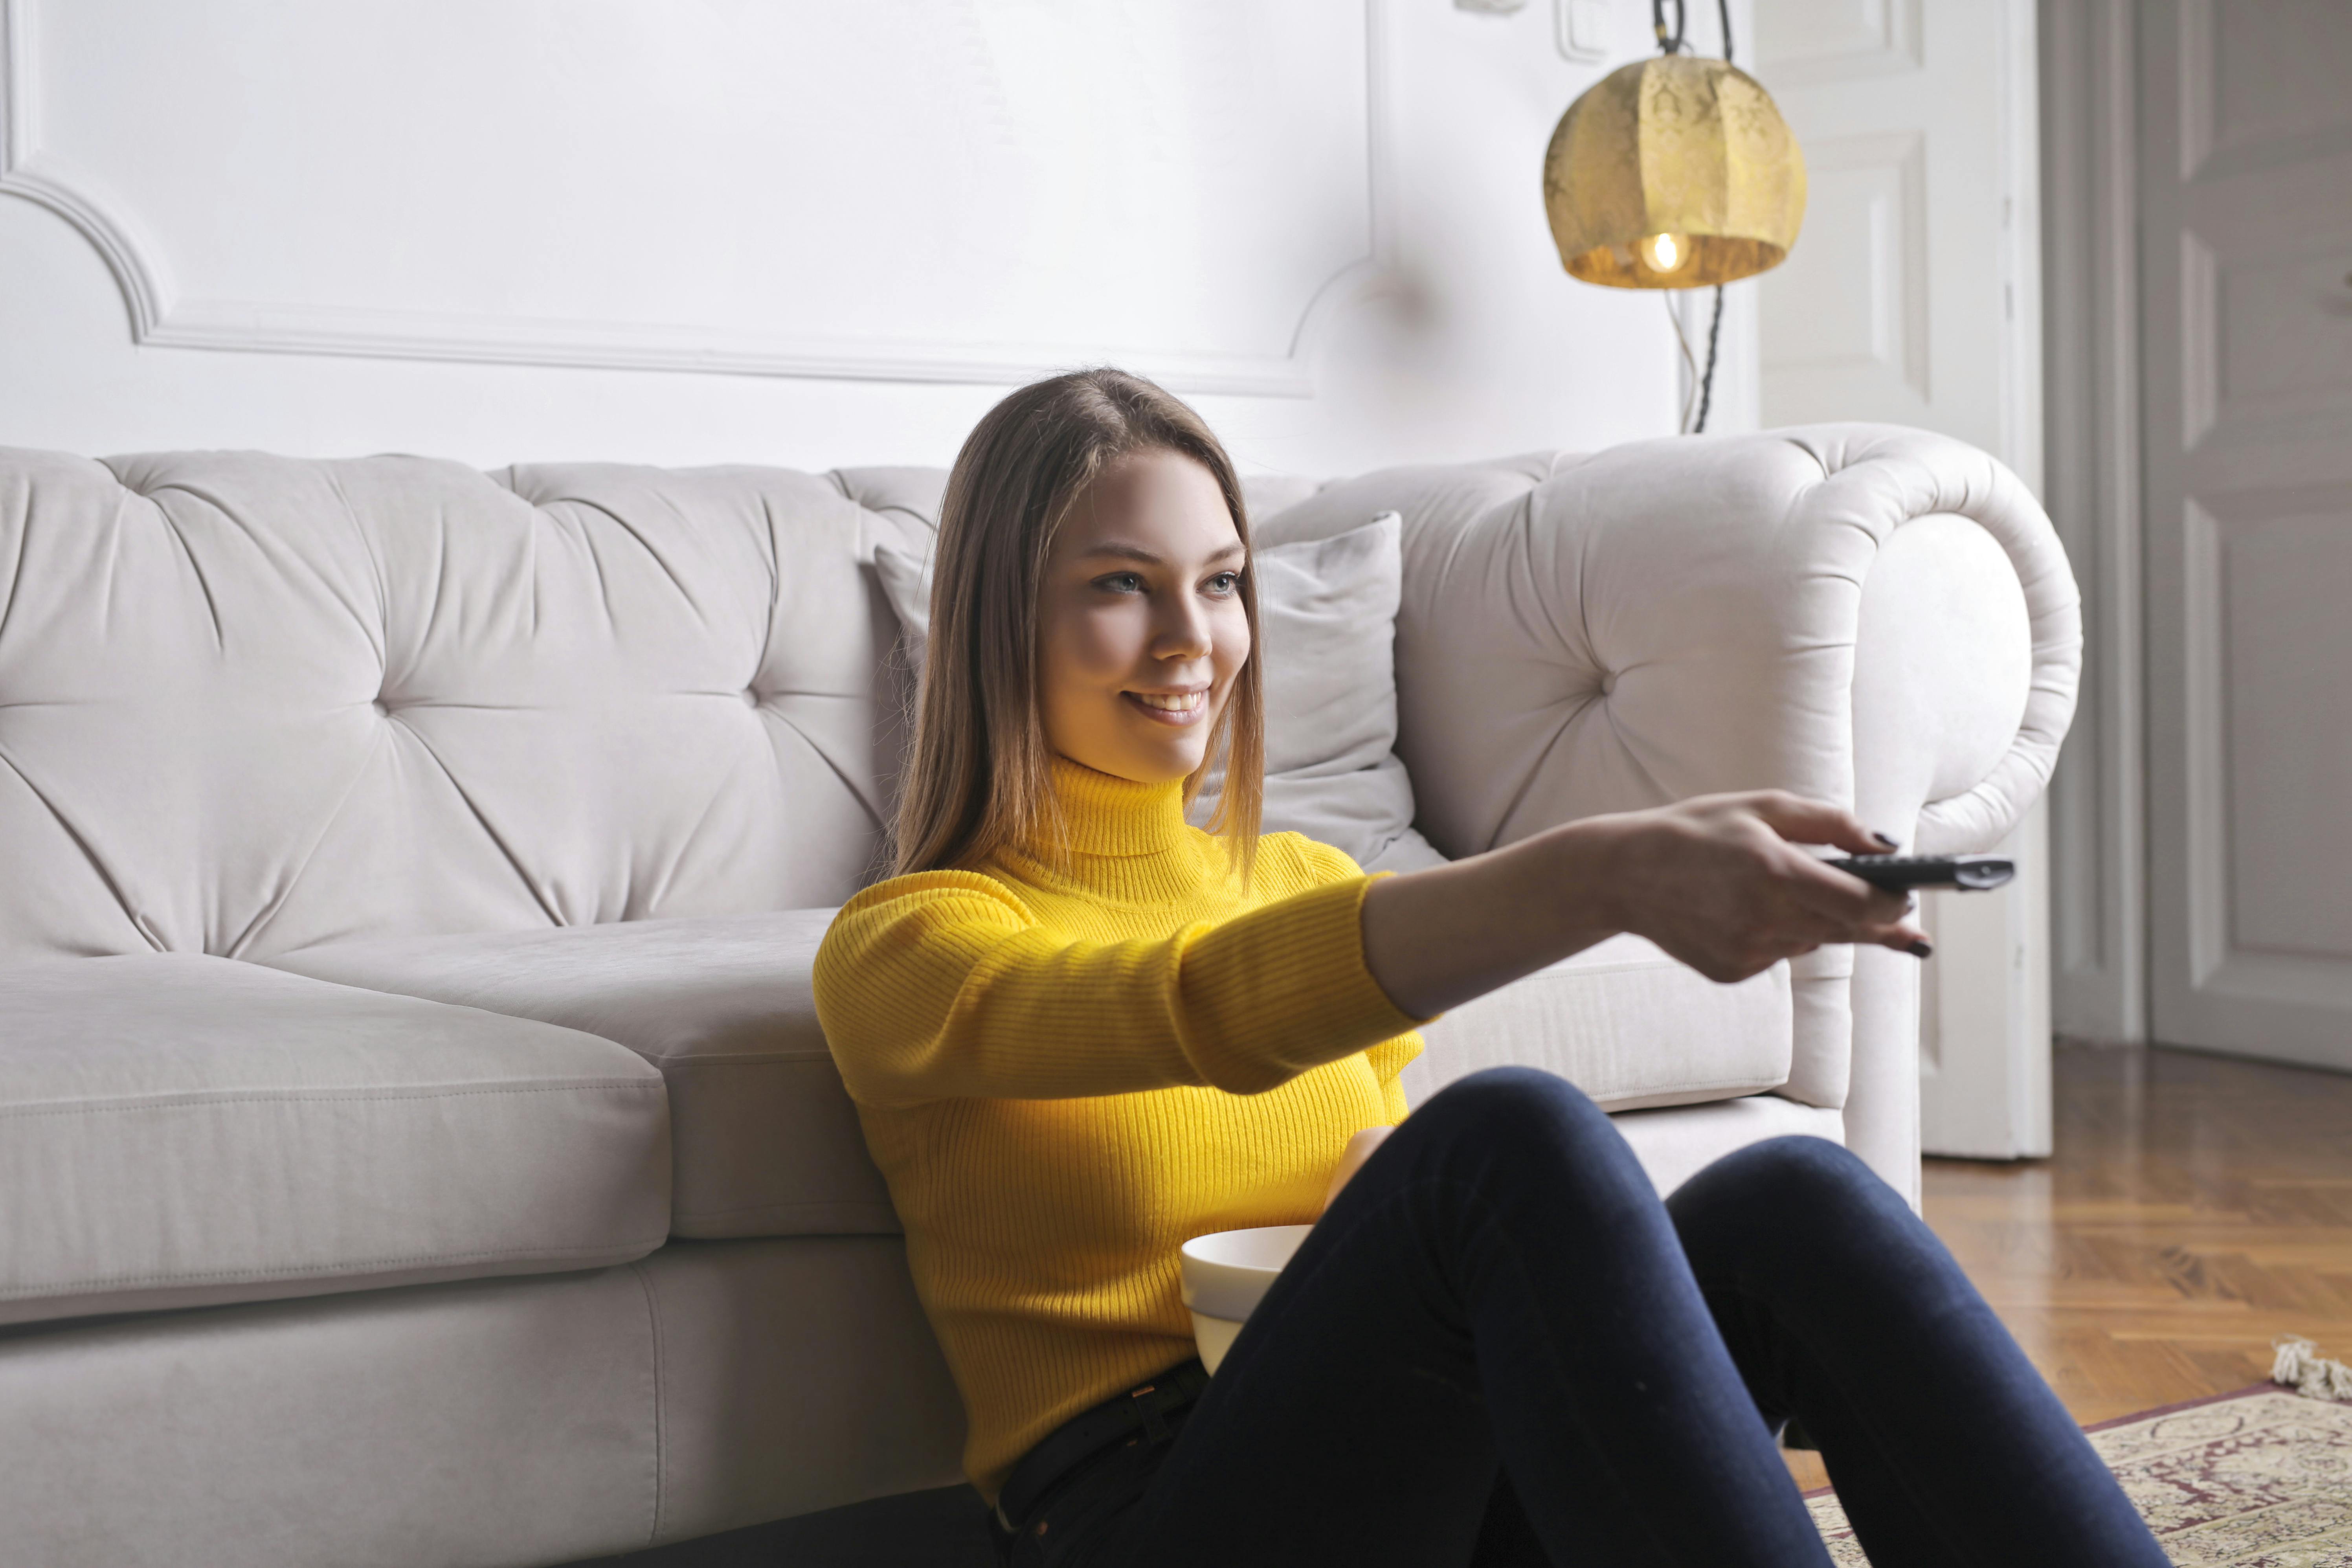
column 2300, row 1366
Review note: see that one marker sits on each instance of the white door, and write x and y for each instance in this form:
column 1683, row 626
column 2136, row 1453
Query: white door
column 1913, row 296
column 2246, row 271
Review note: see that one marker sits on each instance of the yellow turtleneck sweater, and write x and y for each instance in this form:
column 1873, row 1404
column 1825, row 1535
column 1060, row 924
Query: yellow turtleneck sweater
column 1068, row 1066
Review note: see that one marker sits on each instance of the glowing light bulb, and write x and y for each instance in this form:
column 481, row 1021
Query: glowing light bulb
column 1664, row 252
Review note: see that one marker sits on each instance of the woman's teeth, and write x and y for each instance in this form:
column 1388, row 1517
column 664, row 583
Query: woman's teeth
column 1182, row 707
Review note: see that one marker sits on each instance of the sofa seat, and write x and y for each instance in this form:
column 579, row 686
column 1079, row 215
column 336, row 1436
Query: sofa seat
column 177, row 1130
column 480, row 1422
column 766, row 1140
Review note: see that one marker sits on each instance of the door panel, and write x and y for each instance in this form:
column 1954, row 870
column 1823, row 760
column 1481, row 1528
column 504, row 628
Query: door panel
column 1805, row 43
column 2246, row 242
column 1902, row 299
column 1849, row 327
column 2285, row 582
column 2267, row 86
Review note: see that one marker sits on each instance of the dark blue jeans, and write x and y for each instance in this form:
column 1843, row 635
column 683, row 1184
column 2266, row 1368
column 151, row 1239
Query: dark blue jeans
column 1500, row 1348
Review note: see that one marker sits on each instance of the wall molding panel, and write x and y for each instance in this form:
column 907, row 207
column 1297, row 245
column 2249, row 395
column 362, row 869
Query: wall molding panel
column 170, row 285
column 452, row 227
column 51, row 182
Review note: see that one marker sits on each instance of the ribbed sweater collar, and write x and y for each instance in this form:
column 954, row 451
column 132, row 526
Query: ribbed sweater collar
column 1114, row 816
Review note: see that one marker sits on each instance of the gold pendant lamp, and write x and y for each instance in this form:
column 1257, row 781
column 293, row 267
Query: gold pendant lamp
column 1674, row 172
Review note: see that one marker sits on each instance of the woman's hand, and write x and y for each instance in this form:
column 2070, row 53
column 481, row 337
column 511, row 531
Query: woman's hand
column 1719, row 882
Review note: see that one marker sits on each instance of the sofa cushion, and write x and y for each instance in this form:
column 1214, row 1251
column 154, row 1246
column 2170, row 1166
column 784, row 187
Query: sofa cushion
column 1624, row 1022
column 766, row 1139
column 181, row 1129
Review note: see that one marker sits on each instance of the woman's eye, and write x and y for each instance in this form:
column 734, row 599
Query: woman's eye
column 1223, row 582
column 1121, row 583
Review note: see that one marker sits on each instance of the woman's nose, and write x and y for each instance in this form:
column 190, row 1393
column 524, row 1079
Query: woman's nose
column 1183, row 632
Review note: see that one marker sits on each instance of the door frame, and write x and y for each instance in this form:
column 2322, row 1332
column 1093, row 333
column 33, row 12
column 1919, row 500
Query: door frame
column 2093, row 489
column 1971, row 347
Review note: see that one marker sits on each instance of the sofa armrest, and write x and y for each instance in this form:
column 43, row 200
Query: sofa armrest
column 1876, row 616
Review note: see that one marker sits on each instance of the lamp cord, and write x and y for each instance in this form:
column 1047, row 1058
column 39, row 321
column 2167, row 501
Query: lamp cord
column 1705, row 391
column 1706, row 382
column 1672, row 44
column 1690, row 365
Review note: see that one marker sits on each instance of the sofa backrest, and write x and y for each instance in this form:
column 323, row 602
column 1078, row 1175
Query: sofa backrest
column 250, row 703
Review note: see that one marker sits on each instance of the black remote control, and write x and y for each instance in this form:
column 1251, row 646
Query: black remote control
column 1970, row 873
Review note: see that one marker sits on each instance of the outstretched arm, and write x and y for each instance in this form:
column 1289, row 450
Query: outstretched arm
column 1718, row 881
column 943, row 985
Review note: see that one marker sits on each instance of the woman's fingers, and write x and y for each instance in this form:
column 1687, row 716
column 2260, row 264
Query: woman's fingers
column 1801, row 937
column 1835, row 906
column 1906, row 938
column 1802, row 821
column 1872, row 913
column 1841, row 895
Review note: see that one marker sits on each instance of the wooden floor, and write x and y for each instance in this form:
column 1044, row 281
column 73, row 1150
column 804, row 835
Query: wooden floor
column 2196, row 1207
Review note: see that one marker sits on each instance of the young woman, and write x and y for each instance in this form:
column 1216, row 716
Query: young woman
column 1080, row 1033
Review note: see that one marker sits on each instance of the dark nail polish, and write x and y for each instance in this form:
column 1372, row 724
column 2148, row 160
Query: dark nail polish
column 1882, row 838
column 1921, row 950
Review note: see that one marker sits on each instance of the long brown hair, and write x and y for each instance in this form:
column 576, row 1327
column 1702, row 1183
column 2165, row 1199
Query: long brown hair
column 979, row 776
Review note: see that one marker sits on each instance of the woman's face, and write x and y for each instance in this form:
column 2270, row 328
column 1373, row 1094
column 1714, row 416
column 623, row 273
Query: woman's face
column 1141, row 629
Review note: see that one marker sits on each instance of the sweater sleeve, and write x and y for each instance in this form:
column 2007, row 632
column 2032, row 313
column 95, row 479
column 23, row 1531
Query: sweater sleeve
column 943, row 985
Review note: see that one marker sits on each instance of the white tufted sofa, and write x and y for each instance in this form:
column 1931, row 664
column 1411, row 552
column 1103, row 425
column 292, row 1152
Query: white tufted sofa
column 417, row 1144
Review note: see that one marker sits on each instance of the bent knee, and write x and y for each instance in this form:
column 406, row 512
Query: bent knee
column 1513, row 1102
column 1529, row 1121
column 1803, row 1174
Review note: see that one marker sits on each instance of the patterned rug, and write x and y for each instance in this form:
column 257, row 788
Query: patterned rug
column 2259, row 1478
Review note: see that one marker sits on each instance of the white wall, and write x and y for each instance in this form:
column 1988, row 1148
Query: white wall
column 497, row 229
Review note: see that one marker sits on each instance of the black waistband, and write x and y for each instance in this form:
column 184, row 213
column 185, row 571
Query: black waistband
column 1144, row 1408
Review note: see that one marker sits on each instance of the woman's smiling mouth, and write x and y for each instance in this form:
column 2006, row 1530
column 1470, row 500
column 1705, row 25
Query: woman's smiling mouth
column 1179, row 708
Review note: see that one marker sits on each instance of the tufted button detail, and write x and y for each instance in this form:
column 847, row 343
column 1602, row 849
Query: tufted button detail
column 751, row 698
column 383, row 709
column 1608, row 681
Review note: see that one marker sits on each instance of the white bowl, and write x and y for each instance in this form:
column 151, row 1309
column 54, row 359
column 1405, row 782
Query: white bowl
column 1226, row 1275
